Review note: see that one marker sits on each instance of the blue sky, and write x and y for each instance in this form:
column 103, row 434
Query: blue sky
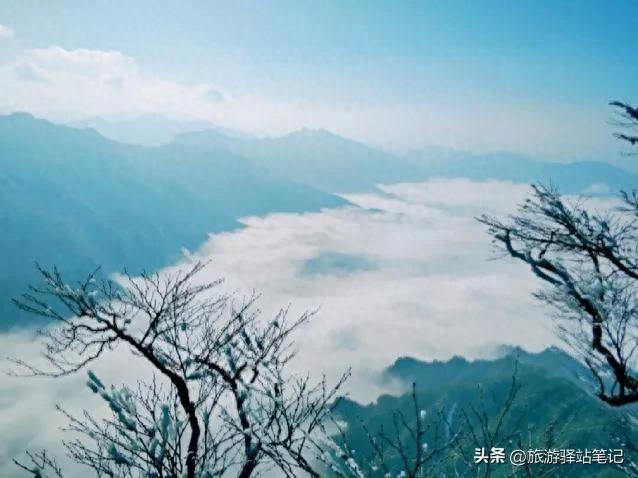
column 528, row 75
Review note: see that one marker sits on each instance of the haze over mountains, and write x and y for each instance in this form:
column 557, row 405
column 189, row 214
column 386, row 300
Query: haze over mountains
column 73, row 198
column 329, row 162
column 149, row 130
column 337, row 164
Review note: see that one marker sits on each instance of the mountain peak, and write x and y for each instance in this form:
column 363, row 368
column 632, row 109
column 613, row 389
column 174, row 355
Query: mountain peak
column 316, row 134
column 26, row 128
column 22, row 117
column 552, row 362
column 152, row 129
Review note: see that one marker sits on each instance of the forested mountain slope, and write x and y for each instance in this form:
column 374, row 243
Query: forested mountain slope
column 556, row 396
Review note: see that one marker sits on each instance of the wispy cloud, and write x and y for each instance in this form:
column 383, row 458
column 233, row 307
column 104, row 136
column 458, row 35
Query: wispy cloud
column 64, row 84
column 6, row 32
column 428, row 289
column 72, row 84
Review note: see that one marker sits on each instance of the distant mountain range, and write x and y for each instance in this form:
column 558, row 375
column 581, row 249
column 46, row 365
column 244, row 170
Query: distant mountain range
column 74, row 198
column 331, row 163
column 556, row 393
column 149, row 130
column 71, row 197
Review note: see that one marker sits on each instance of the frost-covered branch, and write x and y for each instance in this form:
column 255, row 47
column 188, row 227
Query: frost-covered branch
column 627, row 121
column 589, row 263
column 40, row 465
column 401, row 451
column 220, row 400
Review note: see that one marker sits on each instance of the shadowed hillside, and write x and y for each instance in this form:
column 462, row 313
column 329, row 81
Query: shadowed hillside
column 556, row 393
column 75, row 199
column 78, row 200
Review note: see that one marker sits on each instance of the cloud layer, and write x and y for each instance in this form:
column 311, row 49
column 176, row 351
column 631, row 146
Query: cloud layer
column 405, row 271
column 422, row 283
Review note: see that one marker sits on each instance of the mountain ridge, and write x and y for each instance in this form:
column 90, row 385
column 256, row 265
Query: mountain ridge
column 333, row 163
column 78, row 200
column 547, row 401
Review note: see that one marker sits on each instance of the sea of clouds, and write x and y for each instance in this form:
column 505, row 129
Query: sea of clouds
column 402, row 271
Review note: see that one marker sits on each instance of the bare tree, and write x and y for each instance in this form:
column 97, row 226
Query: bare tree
column 219, row 401
column 492, row 423
column 39, row 463
column 445, row 443
column 483, row 430
column 627, row 120
column 402, row 451
column 588, row 261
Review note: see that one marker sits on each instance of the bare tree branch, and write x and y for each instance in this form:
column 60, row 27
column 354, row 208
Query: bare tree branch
column 220, row 400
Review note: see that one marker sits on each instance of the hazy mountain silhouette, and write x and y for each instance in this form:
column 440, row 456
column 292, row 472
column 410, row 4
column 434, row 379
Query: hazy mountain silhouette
column 73, row 198
column 149, row 130
column 77, row 199
column 332, row 163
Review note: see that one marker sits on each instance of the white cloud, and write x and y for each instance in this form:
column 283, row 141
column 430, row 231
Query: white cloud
column 6, row 33
column 597, row 188
column 69, row 85
column 63, row 84
column 431, row 292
